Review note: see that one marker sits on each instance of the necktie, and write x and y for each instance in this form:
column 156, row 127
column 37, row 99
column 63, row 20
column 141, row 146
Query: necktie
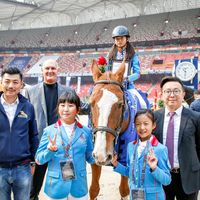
column 170, row 139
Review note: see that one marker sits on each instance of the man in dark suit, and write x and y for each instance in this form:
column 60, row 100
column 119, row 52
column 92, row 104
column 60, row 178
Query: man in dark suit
column 185, row 154
column 44, row 97
column 195, row 105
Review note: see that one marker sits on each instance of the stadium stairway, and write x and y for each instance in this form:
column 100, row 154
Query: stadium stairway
column 151, row 88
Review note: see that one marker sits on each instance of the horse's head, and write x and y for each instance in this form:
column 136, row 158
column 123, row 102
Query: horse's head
column 107, row 103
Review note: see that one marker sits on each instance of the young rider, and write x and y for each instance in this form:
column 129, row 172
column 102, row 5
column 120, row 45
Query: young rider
column 123, row 49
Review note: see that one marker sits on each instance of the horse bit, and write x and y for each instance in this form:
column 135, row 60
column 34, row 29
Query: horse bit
column 105, row 128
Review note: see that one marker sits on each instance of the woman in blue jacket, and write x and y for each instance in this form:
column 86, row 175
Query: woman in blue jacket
column 66, row 146
column 147, row 161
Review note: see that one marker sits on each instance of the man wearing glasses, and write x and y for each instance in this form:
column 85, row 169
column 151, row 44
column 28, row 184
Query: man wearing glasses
column 179, row 129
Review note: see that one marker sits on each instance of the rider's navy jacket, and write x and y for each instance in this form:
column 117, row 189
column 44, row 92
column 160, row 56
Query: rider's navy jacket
column 19, row 142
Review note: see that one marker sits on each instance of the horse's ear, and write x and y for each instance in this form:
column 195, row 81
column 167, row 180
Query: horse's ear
column 120, row 72
column 95, row 70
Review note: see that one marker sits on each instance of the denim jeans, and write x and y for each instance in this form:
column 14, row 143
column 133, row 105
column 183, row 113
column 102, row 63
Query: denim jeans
column 17, row 179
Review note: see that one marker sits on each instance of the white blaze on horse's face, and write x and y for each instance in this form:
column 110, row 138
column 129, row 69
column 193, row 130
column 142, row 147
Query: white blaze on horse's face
column 105, row 104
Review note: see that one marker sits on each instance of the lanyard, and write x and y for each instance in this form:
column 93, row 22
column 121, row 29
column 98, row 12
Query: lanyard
column 70, row 139
column 120, row 55
column 144, row 162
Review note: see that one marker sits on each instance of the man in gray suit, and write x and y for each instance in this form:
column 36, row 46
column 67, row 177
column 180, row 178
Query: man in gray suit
column 44, row 97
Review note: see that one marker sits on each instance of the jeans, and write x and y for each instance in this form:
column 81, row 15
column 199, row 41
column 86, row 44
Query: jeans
column 17, row 179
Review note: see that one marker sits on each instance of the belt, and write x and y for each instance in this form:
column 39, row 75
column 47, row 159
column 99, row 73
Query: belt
column 25, row 162
column 13, row 164
column 175, row 170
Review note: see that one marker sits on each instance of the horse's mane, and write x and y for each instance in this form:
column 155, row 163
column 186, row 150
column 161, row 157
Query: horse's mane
column 107, row 76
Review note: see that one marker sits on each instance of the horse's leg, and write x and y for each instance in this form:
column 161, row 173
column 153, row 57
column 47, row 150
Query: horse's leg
column 123, row 188
column 94, row 188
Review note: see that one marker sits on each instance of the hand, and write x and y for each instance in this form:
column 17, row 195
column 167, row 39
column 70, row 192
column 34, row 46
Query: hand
column 114, row 160
column 32, row 170
column 52, row 143
column 152, row 160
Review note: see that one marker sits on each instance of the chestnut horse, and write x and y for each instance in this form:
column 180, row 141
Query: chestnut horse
column 107, row 104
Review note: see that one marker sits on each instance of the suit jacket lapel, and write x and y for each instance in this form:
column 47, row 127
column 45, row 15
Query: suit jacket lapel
column 159, row 125
column 60, row 90
column 42, row 99
column 184, row 118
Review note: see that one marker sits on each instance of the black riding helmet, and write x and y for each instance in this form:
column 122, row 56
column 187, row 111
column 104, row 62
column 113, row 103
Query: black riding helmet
column 120, row 31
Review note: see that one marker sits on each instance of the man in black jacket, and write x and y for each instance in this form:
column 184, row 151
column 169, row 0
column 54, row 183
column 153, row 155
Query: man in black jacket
column 185, row 153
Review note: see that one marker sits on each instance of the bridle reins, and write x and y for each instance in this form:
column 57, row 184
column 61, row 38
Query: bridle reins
column 104, row 128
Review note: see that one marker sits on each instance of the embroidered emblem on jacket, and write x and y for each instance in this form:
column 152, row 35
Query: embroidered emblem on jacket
column 82, row 139
column 22, row 114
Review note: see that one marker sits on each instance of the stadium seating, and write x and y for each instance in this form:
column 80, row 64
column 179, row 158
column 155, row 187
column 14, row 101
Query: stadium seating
column 31, row 63
column 84, row 89
column 145, row 62
column 143, row 86
column 148, row 29
column 64, row 62
column 185, row 21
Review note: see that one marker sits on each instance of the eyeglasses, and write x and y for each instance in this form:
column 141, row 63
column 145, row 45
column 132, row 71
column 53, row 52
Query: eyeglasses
column 176, row 92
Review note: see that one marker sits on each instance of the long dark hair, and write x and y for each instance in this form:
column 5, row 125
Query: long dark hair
column 130, row 52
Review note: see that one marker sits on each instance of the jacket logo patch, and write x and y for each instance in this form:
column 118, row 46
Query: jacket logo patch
column 82, row 139
column 22, row 114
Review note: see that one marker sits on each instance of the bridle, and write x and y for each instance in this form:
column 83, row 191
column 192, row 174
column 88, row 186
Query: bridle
column 105, row 128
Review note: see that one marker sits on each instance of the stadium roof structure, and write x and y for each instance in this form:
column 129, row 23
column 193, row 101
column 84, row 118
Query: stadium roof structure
column 27, row 14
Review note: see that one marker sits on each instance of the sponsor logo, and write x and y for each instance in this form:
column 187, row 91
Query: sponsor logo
column 82, row 139
column 22, row 114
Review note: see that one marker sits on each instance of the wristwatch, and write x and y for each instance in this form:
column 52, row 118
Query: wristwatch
column 33, row 164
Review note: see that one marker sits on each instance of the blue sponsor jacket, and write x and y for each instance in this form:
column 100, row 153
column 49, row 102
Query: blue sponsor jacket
column 18, row 143
column 80, row 151
column 153, row 180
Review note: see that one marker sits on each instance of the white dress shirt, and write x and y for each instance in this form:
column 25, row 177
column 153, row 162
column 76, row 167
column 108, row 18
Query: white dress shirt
column 69, row 129
column 142, row 146
column 177, row 122
column 10, row 109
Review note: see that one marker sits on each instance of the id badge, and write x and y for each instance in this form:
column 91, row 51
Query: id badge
column 67, row 169
column 138, row 194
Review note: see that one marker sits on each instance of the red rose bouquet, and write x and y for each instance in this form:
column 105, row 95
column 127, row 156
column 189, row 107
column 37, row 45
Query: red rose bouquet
column 102, row 64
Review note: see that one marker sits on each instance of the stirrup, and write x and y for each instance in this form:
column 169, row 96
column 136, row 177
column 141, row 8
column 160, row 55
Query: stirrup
column 125, row 198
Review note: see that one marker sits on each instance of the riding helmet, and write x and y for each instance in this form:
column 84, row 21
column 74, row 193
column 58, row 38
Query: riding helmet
column 120, row 31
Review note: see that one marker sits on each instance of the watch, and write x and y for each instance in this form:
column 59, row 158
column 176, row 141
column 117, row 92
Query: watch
column 33, row 164
column 186, row 71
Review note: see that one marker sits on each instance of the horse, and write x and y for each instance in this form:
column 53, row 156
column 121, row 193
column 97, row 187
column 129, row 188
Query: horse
column 189, row 95
column 108, row 106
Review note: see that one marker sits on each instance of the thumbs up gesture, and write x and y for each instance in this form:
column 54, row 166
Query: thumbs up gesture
column 52, row 143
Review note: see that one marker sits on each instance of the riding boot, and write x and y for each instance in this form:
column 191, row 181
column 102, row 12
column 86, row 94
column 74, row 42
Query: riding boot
column 125, row 198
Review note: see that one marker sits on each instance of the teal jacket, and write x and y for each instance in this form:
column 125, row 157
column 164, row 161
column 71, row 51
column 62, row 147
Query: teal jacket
column 153, row 180
column 80, row 151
